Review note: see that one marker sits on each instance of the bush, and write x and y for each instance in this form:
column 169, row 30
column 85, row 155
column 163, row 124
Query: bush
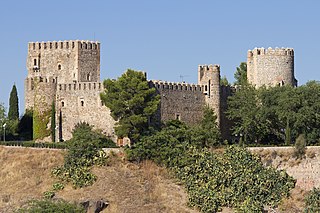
column 58, row 206
column 300, row 147
column 235, row 178
column 84, row 150
column 313, row 201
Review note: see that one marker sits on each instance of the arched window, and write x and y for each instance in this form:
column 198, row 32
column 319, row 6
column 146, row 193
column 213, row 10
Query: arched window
column 59, row 66
column 62, row 103
column 82, row 103
column 35, row 62
column 88, row 77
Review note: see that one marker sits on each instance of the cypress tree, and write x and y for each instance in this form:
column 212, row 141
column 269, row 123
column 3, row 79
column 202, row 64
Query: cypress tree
column 13, row 104
column 53, row 122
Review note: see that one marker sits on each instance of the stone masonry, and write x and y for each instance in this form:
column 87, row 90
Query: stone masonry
column 68, row 74
column 271, row 67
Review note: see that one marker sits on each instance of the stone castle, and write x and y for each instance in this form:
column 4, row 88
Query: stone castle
column 67, row 74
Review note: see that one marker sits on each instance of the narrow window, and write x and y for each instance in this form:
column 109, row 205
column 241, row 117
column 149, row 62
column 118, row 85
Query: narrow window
column 82, row 103
column 35, row 62
column 178, row 117
column 59, row 66
column 62, row 103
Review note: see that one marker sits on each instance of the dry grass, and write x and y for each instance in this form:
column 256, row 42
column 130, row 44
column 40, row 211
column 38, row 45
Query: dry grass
column 25, row 174
column 128, row 187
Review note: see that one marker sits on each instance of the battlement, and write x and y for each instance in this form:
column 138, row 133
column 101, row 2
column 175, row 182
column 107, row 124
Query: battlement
column 160, row 85
column 71, row 44
column 215, row 67
column 276, row 52
column 80, row 86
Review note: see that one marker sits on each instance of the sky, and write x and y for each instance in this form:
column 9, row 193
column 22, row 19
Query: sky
column 168, row 39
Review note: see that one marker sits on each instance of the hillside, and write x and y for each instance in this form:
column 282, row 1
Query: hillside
column 25, row 174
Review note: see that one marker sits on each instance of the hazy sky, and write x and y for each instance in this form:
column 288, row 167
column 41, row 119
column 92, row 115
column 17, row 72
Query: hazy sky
column 166, row 38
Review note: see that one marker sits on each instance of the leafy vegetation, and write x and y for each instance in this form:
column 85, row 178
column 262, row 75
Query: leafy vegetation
column 276, row 115
column 54, row 206
column 13, row 113
column 240, row 75
column 300, row 147
column 235, row 178
column 84, row 151
column 313, row 201
column 132, row 103
column 25, row 127
column 53, row 122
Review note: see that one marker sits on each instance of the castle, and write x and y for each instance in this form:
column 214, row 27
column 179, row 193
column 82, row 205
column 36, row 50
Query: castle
column 67, row 74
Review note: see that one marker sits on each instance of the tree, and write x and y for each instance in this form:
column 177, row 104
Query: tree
column 131, row 102
column 25, row 126
column 241, row 74
column 2, row 118
column 53, row 122
column 245, row 110
column 207, row 134
column 224, row 81
column 13, row 113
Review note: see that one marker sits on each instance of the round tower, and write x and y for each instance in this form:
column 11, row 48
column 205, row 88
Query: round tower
column 271, row 67
column 209, row 79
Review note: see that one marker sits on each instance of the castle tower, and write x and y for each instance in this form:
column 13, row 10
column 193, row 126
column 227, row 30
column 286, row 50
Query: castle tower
column 271, row 67
column 62, row 62
column 209, row 79
column 50, row 64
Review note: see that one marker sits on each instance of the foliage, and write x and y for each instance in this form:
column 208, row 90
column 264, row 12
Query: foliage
column 175, row 138
column 207, row 134
column 276, row 115
column 25, row 125
column 224, row 81
column 235, row 178
column 53, row 122
column 241, row 74
column 313, row 201
column 54, row 206
column 244, row 111
column 300, row 147
column 132, row 103
column 40, row 121
column 84, row 150
column 13, row 113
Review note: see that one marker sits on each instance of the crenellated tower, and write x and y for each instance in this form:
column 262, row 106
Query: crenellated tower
column 53, row 64
column 271, row 67
column 209, row 78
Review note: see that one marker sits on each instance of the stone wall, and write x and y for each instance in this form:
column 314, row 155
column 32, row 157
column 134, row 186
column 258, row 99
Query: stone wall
column 306, row 171
column 271, row 67
column 81, row 102
column 180, row 101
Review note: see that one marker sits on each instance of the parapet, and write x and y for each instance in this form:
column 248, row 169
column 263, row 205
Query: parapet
column 215, row 67
column 276, row 52
column 160, row 85
column 71, row 44
column 81, row 86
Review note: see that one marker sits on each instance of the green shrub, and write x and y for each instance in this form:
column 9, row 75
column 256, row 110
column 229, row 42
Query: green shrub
column 58, row 206
column 300, row 147
column 313, row 201
column 235, row 178
column 84, row 151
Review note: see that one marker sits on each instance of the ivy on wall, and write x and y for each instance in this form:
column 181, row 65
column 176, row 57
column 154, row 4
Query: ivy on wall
column 40, row 121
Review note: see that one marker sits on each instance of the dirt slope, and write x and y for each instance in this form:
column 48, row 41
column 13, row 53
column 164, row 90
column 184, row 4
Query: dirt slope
column 25, row 174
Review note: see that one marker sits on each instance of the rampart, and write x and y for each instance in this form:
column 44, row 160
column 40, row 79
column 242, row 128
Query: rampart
column 180, row 101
